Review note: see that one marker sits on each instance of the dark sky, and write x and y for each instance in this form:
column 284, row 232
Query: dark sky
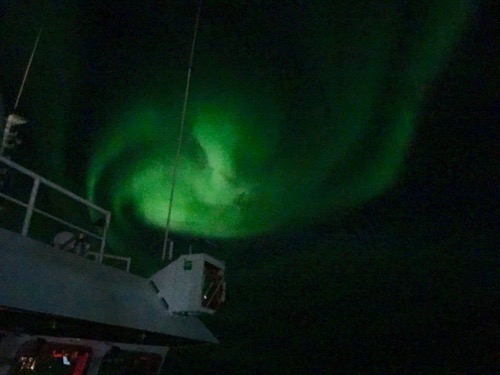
column 341, row 155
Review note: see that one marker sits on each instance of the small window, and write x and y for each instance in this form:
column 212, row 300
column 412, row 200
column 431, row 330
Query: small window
column 214, row 287
column 124, row 362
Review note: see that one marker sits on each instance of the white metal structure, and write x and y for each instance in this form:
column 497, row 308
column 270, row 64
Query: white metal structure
column 10, row 139
column 192, row 284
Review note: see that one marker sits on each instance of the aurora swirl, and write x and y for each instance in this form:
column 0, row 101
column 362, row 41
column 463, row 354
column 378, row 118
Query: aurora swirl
column 314, row 117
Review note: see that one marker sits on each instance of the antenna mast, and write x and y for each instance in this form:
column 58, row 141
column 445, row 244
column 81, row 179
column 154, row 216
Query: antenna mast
column 9, row 136
column 181, row 133
column 27, row 69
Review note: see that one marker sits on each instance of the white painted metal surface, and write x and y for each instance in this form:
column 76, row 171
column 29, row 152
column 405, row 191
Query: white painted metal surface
column 180, row 284
column 38, row 278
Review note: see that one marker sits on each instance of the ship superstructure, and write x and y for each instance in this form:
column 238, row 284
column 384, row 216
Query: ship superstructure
column 63, row 310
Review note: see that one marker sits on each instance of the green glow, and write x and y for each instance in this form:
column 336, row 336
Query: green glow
column 260, row 151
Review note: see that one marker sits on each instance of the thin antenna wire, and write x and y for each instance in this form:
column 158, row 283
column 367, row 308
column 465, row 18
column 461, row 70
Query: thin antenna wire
column 181, row 132
column 27, row 69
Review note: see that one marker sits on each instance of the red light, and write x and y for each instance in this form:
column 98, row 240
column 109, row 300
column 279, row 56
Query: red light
column 80, row 364
column 56, row 354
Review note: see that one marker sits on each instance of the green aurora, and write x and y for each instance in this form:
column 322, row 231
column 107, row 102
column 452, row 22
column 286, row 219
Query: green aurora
column 315, row 120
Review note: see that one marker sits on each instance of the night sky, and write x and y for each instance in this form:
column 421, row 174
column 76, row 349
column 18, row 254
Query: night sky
column 340, row 155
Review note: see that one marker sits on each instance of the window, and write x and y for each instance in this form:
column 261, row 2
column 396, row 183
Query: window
column 124, row 362
column 44, row 358
column 214, row 287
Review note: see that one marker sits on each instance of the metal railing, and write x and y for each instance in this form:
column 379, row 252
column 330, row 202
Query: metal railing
column 30, row 206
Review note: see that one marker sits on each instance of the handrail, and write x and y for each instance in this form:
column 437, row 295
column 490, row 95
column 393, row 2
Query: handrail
column 53, row 185
column 30, row 206
column 50, row 216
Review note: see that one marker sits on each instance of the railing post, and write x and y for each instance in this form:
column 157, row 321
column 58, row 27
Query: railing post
column 128, row 265
column 171, row 251
column 103, row 239
column 31, row 205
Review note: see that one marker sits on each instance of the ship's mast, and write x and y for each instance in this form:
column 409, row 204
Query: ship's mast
column 181, row 134
column 27, row 70
column 9, row 128
column 10, row 140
